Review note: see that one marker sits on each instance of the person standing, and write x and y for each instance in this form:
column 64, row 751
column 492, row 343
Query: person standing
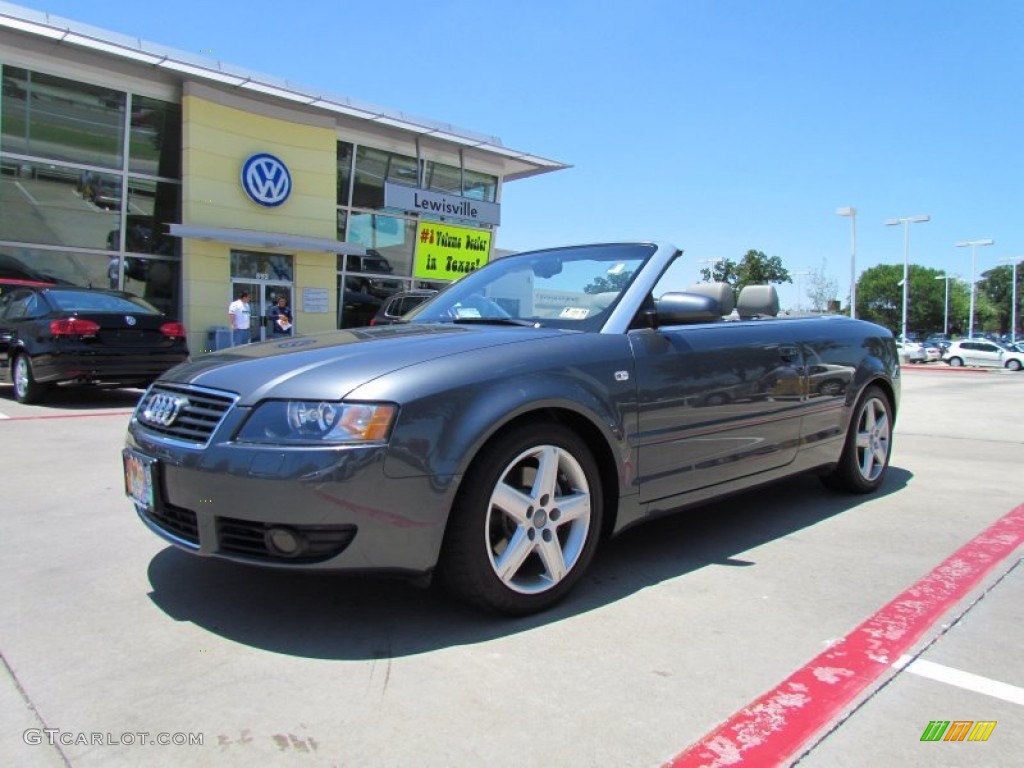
column 238, row 314
column 281, row 317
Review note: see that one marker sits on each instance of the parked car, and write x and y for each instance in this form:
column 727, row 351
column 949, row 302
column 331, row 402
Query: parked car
column 53, row 334
column 535, row 406
column 7, row 285
column 981, row 352
column 940, row 340
column 399, row 304
column 911, row 351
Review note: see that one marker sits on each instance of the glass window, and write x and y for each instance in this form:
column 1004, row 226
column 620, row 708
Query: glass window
column 344, row 171
column 61, row 119
column 58, row 205
column 342, row 225
column 89, row 270
column 480, row 186
column 443, row 178
column 154, row 139
column 152, row 206
column 373, row 168
column 387, row 238
column 158, row 281
column 262, row 266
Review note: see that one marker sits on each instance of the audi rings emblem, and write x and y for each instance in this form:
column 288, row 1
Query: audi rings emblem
column 160, row 410
column 266, row 180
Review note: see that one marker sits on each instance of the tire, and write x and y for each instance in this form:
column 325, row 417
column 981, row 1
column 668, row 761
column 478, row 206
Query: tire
column 26, row 389
column 526, row 522
column 865, row 459
column 1013, row 365
column 955, row 362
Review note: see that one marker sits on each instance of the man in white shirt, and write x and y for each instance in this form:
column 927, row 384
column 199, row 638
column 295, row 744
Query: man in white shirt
column 238, row 314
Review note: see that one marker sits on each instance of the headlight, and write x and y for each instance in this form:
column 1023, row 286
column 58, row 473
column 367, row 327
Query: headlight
column 310, row 422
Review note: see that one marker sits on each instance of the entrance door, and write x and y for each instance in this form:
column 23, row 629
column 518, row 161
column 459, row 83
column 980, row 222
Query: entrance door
column 264, row 295
column 267, row 277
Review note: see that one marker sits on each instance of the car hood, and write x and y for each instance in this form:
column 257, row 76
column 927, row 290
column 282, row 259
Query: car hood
column 329, row 365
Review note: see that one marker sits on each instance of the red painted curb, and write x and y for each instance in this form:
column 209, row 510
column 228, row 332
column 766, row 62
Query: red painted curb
column 776, row 726
column 68, row 416
column 945, row 368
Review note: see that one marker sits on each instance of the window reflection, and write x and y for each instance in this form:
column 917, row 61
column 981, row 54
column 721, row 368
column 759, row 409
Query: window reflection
column 344, row 171
column 152, row 206
column 388, row 237
column 57, row 205
column 61, row 119
column 443, row 178
column 154, row 139
column 480, row 186
column 373, row 168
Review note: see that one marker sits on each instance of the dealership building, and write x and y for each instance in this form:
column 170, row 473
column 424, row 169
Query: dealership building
column 186, row 180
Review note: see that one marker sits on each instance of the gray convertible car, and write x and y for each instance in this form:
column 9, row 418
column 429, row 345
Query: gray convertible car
column 535, row 406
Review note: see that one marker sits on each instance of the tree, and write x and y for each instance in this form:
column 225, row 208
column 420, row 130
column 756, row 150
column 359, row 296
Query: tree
column 602, row 284
column 755, row 268
column 880, row 298
column 822, row 289
column 996, row 285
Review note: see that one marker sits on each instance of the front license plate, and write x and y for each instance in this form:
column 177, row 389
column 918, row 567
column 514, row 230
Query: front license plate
column 138, row 479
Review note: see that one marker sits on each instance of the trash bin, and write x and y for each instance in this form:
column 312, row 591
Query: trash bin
column 218, row 337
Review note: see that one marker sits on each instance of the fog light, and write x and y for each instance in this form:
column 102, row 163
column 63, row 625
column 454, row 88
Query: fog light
column 285, row 542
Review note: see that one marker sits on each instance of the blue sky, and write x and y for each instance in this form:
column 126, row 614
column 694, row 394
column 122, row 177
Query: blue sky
column 718, row 125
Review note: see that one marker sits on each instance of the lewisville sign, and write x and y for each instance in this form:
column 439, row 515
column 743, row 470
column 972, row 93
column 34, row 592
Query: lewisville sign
column 408, row 198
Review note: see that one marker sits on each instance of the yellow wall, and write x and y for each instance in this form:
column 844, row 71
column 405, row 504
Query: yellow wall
column 217, row 140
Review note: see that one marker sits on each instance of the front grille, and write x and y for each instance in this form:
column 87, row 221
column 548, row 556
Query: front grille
column 178, row 522
column 245, row 537
column 197, row 419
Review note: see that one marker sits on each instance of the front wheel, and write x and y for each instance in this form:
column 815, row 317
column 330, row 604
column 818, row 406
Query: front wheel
column 865, row 458
column 956, row 362
column 526, row 523
column 26, row 388
column 1013, row 365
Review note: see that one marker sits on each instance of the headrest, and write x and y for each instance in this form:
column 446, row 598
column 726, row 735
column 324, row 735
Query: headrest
column 758, row 301
column 720, row 292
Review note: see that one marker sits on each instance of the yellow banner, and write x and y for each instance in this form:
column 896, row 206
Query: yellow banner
column 447, row 253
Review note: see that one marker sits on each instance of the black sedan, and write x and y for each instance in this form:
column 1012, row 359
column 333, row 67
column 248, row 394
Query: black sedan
column 536, row 405
column 51, row 334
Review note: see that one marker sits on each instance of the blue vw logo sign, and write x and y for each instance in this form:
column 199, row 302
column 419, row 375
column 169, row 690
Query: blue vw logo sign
column 266, row 180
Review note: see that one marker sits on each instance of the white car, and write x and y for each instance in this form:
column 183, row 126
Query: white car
column 982, row 353
column 932, row 354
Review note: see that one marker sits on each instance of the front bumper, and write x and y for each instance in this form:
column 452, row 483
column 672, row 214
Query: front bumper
column 222, row 501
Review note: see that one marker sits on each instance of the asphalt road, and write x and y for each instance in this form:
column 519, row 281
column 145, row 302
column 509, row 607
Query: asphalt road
column 107, row 633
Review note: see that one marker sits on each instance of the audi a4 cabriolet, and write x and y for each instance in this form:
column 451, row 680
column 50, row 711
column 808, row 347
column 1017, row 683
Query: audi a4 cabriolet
column 496, row 435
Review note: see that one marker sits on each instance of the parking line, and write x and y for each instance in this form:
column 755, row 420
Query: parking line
column 961, row 679
column 772, row 729
column 27, row 194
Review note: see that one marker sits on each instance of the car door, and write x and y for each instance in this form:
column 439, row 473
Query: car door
column 716, row 402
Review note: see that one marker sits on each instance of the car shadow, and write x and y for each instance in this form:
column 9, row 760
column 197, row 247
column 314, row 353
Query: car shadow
column 352, row 617
column 82, row 398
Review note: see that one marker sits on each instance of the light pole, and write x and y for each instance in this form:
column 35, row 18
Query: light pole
column 852, row 213
column 945, row 316
column 799, row 295
column 1013, row 301
column 906, row 221
column 974, row 261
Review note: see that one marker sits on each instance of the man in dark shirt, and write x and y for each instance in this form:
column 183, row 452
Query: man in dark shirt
column 281, row 318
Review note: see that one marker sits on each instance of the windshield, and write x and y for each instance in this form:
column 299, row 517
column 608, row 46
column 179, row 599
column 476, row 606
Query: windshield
column 572, row 288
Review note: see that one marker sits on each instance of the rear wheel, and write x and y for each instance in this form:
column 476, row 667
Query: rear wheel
column 956, row 362
column 26, row 388
column 526, row 522
column 865, row 458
